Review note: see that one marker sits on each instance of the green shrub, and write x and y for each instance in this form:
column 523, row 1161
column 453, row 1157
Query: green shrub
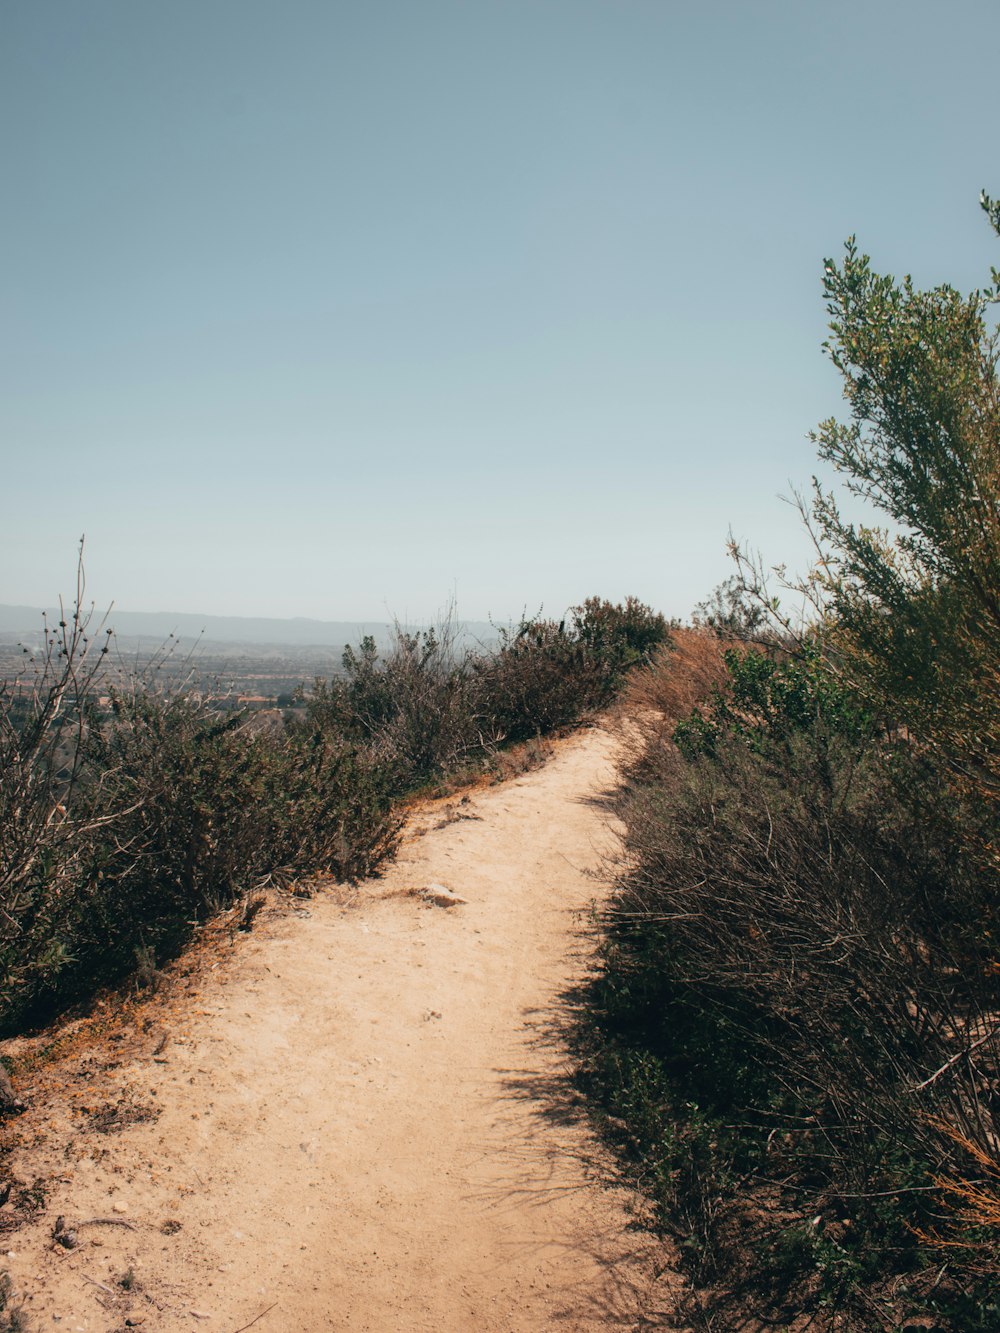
column 409, row 709
column 619, row 636
column 176, row 811
column 918, row 609
column 539, row 678
column 422, row 708
column 803, row 938
column 545, row 674
column 332, row 807
column 797, row 946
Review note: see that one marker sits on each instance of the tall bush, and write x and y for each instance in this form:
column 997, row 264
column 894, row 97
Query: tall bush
column 45, row 834
column 918, row 608
column 799, row 993
column 409, row 708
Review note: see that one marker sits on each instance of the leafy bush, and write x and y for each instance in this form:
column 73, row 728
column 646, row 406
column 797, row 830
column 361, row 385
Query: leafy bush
column 919, row 612
column 122, row 827
column 800, row 962
column 423, row 709
column 545, row 674
column 411, row 710
column 620, row 636
column 795, row 945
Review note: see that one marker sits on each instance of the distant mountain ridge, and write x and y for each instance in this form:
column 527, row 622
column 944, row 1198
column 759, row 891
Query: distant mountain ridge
column 297, row 632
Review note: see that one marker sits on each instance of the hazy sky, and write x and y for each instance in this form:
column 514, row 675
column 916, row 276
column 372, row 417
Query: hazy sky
column 341, row 309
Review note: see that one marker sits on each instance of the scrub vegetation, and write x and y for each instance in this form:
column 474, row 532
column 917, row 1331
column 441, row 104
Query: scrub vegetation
column 132, row 811
column 794, row 1038
column 793, row 1033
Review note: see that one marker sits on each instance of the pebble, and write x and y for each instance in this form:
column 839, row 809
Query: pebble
column 119, row 1207
column 441, row 896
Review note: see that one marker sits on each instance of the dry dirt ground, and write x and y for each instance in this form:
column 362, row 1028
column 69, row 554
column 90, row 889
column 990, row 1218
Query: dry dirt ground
column 356, row 1117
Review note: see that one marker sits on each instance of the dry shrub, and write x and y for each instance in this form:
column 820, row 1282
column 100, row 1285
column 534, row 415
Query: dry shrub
column 12, row 1316
column 685, row 674
column 176, row 811
column 970, row 1220
column 541, row 677
column 798, row 975
column 517, row 760
column 408, row 708
column 424, row 709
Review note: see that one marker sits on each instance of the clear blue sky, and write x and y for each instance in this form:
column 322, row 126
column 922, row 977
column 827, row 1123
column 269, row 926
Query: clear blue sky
column 340, row 309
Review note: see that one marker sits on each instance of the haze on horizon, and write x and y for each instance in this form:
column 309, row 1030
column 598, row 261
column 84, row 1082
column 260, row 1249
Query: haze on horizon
column 345, row 311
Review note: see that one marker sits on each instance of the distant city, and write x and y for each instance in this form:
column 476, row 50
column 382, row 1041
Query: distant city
column 247, row 661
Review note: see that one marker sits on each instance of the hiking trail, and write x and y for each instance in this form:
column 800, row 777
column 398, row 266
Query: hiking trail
column 358, row 1116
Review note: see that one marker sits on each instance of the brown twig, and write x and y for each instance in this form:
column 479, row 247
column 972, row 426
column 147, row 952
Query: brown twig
column 919, row 1087
column 94, row 1283
column 253, row 1321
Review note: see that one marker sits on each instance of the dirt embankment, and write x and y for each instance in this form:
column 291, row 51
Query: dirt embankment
column 357, row 1116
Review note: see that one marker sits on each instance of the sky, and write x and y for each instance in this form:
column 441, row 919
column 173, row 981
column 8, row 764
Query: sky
column 353, row 310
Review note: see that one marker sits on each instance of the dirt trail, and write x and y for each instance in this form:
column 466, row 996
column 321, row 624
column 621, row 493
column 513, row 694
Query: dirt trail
column 362, row 1118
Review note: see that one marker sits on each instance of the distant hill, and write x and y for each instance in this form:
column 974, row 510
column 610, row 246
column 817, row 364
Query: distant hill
column 154, row 627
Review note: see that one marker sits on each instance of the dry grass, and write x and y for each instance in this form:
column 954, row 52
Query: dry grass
column 975, row 1221
column 684, row 675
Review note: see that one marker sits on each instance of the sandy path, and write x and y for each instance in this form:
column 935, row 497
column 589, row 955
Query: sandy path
column 362, row 1122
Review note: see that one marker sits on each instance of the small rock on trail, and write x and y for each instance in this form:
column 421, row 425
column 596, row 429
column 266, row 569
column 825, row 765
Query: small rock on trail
column 441, row 896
